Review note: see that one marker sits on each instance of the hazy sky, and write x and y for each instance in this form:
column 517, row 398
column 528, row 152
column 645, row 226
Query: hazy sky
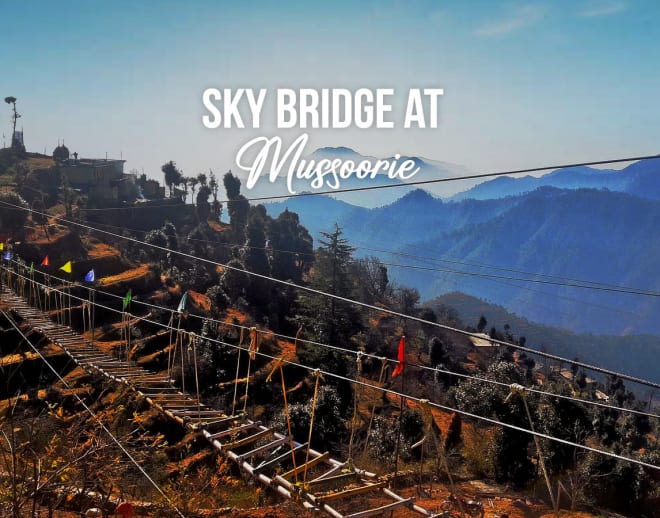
column 526, row 83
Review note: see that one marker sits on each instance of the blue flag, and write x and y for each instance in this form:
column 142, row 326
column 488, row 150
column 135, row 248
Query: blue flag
column 90, row 277
column 7, row 256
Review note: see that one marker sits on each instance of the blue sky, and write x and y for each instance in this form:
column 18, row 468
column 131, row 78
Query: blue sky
column 526, row 83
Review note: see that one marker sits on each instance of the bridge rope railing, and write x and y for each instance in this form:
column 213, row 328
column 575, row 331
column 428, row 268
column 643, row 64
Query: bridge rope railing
column 433, row 369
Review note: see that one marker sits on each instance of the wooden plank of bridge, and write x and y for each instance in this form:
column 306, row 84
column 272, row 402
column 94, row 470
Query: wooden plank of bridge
column 223, row 421
column 305, row 466
column 279, row 459
column 264, row 448
column 350, row 492
column 233, row 430
column 211, row 413
column 249, row 439
column 344, row 477
column 173, row 399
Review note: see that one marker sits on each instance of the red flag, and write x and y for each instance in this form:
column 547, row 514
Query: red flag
column 401, row 357
column 45, row 262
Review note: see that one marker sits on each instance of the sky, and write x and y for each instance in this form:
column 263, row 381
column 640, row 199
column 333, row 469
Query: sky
column 525, row 83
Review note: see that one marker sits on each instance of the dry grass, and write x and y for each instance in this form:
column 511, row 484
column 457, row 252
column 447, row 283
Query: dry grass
column 100, row 250
column 235, row 314
column 126, row 276
column 200, row 301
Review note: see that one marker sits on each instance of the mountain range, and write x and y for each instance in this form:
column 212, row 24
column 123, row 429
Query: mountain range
column 526, row 251
column 428, row 170
column 639, row 178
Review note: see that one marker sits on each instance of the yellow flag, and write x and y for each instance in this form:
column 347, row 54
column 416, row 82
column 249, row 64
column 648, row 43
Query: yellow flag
column 67, row 267
column 2, row 247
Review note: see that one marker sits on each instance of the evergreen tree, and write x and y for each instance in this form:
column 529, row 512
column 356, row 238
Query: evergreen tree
column 255, row 255
column 203, row 208
column 170, row 232
column 482, row 324
column 437, row 352
column 172, row 176
column 290, row 249
column 332, row 320
column 216, row 206
column 237, row 206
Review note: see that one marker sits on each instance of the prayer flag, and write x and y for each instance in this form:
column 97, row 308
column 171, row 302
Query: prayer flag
column 182, row 303
column 32, row 267
column 127, row 300
column 67, row 267
column 401, row 356
column 7, row 256
column 45, row 262
column 90, row 277
column 255, row 342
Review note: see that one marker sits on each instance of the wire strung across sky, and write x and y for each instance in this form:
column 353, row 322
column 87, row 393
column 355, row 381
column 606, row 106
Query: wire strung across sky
column 633, row 291
column 350, row 301
column 428, row 260
column 350, row 351
column 426, row 182
column 370, row 385
column 543, row 278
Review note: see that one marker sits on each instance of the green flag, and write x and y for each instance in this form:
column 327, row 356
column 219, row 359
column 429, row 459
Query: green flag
column 127, row 300
column 31, row 267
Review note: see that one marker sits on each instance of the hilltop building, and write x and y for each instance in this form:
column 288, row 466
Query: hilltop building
column 103, row 180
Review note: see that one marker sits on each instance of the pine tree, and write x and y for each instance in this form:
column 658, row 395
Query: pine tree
column 332, row 320
column 237, row 206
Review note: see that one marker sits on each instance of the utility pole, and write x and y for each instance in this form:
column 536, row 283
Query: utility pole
column 15, row 116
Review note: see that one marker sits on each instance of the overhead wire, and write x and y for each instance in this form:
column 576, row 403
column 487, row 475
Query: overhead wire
column 428, row 259
column 361, row 304
column 434, row 181
column 580, row 283
column 449, row 328
column 494, row 267
column 402, row 395
column 633, row 291
column 419, row 258
column 351, row 351
column 570, row 281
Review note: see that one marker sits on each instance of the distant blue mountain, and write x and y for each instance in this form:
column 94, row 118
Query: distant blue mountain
column 598, row 235
column 594, row 234
column 428, row 170
column 641, row 179
column 405, row 219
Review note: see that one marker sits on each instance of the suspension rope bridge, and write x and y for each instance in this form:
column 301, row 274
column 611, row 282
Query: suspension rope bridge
column 296, row 471
column 59, row 294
